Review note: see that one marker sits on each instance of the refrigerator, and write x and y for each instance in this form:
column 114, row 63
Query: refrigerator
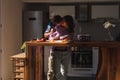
column 32, row 25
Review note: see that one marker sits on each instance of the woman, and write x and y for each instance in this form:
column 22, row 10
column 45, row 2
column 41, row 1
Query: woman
column 60, row 56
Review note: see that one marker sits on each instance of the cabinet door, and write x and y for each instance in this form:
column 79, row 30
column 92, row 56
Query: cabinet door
column 105, row 11
column 62, row 10
column 83, row 12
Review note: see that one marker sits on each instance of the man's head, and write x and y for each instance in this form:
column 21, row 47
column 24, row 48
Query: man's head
column 57, row 19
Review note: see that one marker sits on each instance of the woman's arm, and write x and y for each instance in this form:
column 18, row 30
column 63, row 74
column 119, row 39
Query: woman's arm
column 68, row 37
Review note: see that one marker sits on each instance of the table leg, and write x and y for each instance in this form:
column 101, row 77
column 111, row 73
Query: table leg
column 34, row 63
column 118, row 65
column 103, row 67
column 109, row 63
column 112, row 64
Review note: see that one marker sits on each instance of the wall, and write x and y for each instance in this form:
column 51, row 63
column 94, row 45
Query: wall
column 67, row 0
column 97, row 30
column 0, row 40
column 11, row 33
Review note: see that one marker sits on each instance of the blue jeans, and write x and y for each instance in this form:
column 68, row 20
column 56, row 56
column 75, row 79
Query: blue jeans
column 58, row 63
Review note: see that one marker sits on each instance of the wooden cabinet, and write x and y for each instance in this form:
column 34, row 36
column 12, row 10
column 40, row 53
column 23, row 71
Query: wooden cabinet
column 34, row 55
column 109, row 67
column 34, row 68
column 18, row 66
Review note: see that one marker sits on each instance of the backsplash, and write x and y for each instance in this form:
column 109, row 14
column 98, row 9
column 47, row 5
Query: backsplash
column 96, row 30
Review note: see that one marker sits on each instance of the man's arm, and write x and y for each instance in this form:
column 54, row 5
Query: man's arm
column 46, row 34
column 48, row 30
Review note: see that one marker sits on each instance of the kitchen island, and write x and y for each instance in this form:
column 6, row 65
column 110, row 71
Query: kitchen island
column 109, row 67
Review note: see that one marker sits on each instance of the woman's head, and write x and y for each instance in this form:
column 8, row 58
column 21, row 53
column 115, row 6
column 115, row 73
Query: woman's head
column 68, row 23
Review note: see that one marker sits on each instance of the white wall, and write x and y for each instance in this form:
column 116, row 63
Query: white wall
column 66, row 0
column 11, row 33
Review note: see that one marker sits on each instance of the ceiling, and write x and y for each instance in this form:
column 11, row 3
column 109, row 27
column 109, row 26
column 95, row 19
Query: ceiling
column 47, row 1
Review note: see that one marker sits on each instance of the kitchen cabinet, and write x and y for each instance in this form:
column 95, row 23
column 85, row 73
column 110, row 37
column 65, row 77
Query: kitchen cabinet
column 105, row 11
column 62, row 10
column 83, row 12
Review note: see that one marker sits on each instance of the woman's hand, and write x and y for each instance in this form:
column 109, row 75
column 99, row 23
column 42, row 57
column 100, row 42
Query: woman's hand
column 41, row 40
column 67, row 39
column 52, row 30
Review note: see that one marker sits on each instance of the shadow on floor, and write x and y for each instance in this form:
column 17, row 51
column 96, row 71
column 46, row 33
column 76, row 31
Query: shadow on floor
column 79, row 78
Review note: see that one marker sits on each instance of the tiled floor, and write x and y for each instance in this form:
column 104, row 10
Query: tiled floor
column 79, row 78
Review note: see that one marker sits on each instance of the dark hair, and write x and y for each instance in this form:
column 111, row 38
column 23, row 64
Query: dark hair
column 57, row 19
column 69, row 20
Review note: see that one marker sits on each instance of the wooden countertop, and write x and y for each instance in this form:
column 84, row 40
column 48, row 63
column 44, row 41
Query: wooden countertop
column 20, row 55
column 47, row 43
column 76, row 43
